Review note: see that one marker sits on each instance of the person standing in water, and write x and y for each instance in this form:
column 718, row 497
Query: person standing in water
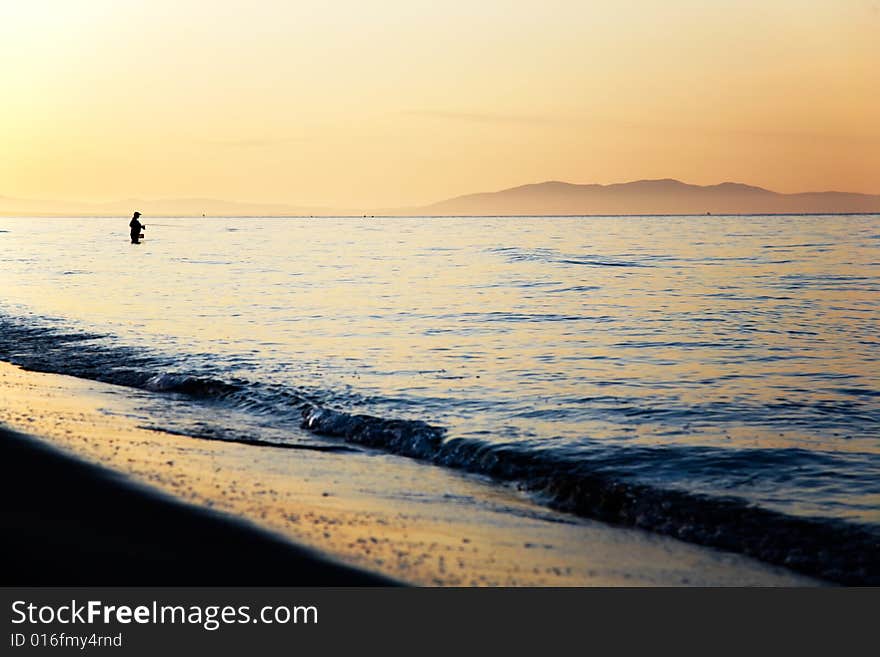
column 136, row 228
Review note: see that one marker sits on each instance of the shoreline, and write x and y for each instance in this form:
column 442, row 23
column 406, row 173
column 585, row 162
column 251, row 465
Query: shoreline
column 94, row 527
column 375, row 512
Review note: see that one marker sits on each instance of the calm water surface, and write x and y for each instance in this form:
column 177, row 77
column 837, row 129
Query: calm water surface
column 720, row 356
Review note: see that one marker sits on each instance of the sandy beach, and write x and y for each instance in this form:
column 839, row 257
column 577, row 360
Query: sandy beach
column 93, row 527
column 360, row 510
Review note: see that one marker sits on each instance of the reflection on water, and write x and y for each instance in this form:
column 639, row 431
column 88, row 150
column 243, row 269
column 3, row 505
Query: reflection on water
column 743, row 348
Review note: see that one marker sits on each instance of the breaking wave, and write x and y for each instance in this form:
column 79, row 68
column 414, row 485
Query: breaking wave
column 607, row 485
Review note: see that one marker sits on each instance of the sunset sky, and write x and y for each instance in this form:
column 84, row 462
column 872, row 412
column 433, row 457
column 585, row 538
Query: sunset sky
column 395, row 102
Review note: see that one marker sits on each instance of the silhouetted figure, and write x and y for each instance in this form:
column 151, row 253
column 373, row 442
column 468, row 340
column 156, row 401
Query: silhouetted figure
column 136, row 228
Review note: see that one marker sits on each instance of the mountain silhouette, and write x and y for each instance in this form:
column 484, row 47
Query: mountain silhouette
column 179, row 207
column 665, row 196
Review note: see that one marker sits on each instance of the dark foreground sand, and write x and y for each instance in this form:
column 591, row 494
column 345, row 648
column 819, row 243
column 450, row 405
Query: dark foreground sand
column 73, row 523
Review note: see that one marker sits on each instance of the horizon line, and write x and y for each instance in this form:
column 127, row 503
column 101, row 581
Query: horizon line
column 446, row 216
column 427, row 204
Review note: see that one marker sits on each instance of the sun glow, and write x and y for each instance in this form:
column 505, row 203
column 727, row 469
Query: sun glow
column 352, row 104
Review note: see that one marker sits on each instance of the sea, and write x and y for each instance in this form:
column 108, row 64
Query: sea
column 713, row 378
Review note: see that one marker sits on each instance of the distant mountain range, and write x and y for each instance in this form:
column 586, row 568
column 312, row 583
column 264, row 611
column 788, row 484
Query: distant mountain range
column 650, row 197
column 172, row 207
column 548, row 198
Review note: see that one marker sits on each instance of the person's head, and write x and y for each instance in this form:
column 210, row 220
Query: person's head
column 137, row 214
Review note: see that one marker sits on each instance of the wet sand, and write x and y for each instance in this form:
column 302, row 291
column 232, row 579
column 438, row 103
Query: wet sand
column 375, row 512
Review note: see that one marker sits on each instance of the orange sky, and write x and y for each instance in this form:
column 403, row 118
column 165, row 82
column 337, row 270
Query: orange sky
column 394, row 102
